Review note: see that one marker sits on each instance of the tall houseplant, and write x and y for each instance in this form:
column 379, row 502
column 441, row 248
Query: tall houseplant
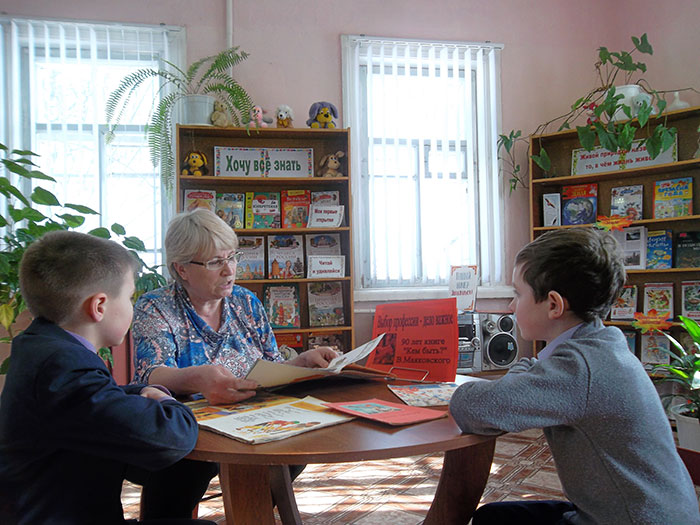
column 601, row 106
column 24, row 224
column 207, row 76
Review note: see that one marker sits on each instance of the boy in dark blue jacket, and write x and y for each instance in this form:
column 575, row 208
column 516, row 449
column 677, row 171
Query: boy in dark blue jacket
column 69, row 435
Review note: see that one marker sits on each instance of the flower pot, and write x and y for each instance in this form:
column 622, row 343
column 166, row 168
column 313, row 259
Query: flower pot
column 194, row 109
column 688, row 429
column 629, row 91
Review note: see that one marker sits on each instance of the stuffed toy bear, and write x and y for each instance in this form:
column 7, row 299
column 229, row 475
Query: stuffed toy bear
column 321, row 115
column 328, row 167
column 284, row 116
column 219, row 117
column 195, row 163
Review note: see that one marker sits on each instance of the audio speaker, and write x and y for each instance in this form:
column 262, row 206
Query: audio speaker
column 499, row 347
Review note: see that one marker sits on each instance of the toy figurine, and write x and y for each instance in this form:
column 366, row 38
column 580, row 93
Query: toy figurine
column 328, row 167
column 219, row 117
column 284, row 116
column 195, row 163
column 321, row 115
column 258, row 118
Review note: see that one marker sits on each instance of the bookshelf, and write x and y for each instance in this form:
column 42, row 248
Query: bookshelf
column 322, row 142
column 559, row 147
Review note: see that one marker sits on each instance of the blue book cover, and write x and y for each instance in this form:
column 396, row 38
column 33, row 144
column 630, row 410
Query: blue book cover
column 659, row 249
column 579, row 204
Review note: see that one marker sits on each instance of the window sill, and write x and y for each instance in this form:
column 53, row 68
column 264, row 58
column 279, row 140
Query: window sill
column 435, row 292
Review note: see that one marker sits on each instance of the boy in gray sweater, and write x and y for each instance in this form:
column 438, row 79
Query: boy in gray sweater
column 602, row 417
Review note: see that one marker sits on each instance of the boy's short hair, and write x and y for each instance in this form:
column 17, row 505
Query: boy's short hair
column 583, row 265
column 62, row 268
column 199, row 232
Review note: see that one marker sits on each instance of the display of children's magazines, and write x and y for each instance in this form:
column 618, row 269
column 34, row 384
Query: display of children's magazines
column 659, row 297
column 275, row 422
column 687, row 249
column 387, row 412
column 673, row 198
column 325, row 198
column 252, row 263
column 579, row 204
column 335, row 340
column 262, row 209
column 323, row 244
column 659, row 249
column 231, row 208
column 285, row 257
column 193, row 199
column 625, row 305
column 654, row 350
column 633, row 243
column 631, row 338
column 551, row 209
column 690, row 299
column 281, row 302
column 626, row 201
column 295, row 208
column 326, row 304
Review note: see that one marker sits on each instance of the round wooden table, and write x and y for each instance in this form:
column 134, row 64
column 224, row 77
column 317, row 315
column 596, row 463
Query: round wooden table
column 248, row 473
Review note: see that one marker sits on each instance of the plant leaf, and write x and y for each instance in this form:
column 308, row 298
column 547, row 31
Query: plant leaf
column 586, row 137
column 73, row 221
column 118, row 229
column 100, row 232
column 81, row 209
column 7, row 316
column 134, row 243
column 42, row 196
column 543, row 160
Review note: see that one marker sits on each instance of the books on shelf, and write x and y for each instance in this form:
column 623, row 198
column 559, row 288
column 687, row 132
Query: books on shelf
column 626, row 201
column 690, row 299
column 323, row 244
column 281, row 302
column 252, row 263
column 659, row 297
column 633, row 243
column 673, row 198
column 325, row 198
column 625, row 305
column 193, row 199
column 262, row 209
column 285, row 256
column 551, row 209
column 295, row 208
column 326, row 304
column 427, row 395
column 631, row 338
column 579, row 204
column 688, row 249
column 335, row 340
column 275, row 422
column 387, row 412
column 291, row 340
column 654, row 347
column 326, row 216
column 231, row 208
column 659, row 249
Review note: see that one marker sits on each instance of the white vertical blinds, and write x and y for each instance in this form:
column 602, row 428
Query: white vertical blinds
column 424, row 119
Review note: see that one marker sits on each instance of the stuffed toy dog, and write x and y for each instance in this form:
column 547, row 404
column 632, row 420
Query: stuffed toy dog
column 195, row 163
column 321, row 115
column 328, row 167
column 284, row 116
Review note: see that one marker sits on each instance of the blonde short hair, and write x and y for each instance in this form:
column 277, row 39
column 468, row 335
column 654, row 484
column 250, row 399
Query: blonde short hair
column 199, row 232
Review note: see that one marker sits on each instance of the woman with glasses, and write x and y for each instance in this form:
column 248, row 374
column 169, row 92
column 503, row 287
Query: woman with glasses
column 203, row 333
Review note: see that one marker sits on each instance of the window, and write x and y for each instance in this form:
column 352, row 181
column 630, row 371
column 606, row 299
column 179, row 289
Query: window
column 424, row 119
column 58, row 76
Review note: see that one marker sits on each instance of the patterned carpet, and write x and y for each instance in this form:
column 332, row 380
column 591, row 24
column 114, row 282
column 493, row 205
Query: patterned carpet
column 398, row 491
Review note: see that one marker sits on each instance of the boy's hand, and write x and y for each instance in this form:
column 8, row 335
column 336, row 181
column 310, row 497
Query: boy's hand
column 220, row 386
column 154, row 393
column 319, row 357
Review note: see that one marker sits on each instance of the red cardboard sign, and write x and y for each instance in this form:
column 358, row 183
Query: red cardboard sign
column 421, row 337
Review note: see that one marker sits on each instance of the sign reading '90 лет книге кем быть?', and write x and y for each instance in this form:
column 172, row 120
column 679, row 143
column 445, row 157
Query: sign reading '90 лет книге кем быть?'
column 263, row 162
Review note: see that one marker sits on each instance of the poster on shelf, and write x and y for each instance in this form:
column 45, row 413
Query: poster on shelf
column 600, row 160
column 290, row 162
column 239, row 162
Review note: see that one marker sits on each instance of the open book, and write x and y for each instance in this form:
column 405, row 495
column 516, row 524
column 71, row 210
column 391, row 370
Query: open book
column 270, row 373
column 274, row 422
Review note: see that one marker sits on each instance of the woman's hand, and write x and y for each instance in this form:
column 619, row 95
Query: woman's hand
column 220, row 386
column 319, row 357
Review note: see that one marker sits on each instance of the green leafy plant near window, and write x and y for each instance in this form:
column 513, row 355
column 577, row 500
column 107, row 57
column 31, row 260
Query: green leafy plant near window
column 24, row 224
column 600, row 104
column 207, row 76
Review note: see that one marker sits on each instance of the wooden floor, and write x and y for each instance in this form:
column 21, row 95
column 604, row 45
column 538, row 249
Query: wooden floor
column 399, row 492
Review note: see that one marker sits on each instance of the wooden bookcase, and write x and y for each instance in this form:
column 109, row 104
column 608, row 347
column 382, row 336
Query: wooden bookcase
column 559, row 147
column 323, row 142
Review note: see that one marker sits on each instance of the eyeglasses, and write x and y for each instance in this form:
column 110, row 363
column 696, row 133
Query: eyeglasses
column 218, row 262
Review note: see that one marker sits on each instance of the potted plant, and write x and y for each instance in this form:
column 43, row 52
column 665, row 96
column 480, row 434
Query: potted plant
column 684, row 370
column 25, row 223
column 208, row 77
column 603, row 107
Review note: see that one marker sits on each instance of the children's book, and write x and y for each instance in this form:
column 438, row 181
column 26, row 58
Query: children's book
column 387, row 412
column 202, row 410
column 579, row 204
column 295, row 208
column 252, row 263
column 626, row 201
column 428, row 395
column 631, row 338
column 271, row 373
column 551, row 209
column 231, row 208
column 323, row 244
column 199, row 199
column 659, row 249
column 272, row 423
column 262, row 209
column 326, row 304
column 325, row 198
column 335, row 340
column 633, row 243
column 688, row 249
column 690, row 299
column 292, row 340
column 652, row 353
column 673, row 198
column 625, row 305
column 285, row 257
column 659, row 297
column 281, row 302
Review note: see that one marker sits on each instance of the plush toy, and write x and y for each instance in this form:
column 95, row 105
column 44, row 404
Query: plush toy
column 195, row 163
column 328, row 167
column 284, row 116
column 219, row 117
column 321, row 115
column 258, row 118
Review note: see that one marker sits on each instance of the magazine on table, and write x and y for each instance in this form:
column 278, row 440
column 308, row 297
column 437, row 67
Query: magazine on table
column 387, row 412
column 202, row 410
